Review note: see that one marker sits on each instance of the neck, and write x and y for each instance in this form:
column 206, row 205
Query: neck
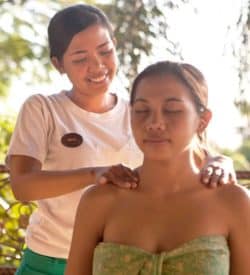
column 170, row 176
column 97, row 103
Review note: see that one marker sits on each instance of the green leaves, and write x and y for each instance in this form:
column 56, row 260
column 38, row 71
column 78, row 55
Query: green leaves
column 14, row 217
column 22, row 39
column 6, row 129
column 137, row 24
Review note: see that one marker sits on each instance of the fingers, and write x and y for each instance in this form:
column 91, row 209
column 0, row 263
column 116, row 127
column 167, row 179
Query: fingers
column 123, row 176
column 125, row 173
column 224, row 179
column 206, row 174
column 119, row 175
column 113, row 178
column 212, row 176
column 232, row 178
column 218, row 170
column 216, row 177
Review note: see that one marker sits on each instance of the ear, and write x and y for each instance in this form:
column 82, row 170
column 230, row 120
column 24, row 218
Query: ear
column 57, row 64
column 205, row 118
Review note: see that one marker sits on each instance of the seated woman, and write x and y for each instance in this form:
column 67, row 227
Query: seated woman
column 170, row 224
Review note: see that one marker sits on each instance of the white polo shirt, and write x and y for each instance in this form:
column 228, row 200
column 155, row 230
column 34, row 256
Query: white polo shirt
column 63, row 136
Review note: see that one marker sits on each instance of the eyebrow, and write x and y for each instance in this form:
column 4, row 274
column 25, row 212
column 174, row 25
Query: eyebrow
column 170, row 99
column 84, row 51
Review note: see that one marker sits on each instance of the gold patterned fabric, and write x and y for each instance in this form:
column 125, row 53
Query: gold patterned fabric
column 206, row 255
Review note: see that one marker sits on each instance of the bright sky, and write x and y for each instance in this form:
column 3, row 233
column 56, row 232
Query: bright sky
column 206, row 43
column 202, row 37
column 207, row 46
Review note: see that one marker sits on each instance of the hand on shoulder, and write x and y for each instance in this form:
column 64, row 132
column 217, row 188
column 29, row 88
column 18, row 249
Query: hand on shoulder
column 118, row 175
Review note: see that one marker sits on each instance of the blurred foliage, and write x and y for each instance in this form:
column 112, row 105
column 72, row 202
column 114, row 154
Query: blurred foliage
column 242, row 52
column 243, row 105
column 6, row 129
column 14, row 215
column 245, row 150
column 239, row 159
column 22, row 43
column 138, row 24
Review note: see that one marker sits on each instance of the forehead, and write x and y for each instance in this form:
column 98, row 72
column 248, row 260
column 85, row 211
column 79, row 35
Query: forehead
column 161, row 86
column 92, row 36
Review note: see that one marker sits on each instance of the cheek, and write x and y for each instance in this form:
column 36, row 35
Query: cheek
column 188, row 127
column 75, row 71
column 113, row 62
column 137, row 131
column 139, row 123
column 183, row 127
column 75, row 75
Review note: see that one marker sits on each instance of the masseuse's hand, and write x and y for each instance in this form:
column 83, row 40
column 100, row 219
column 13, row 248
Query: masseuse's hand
column 217, row 171
column 118, row 175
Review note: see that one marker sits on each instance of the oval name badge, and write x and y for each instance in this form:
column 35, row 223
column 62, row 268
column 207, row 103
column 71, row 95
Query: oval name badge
column 72, row 140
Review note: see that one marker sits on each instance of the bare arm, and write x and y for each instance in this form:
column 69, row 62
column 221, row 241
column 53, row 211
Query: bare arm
column 29, row 183
column 88, row 230
column 239, row 236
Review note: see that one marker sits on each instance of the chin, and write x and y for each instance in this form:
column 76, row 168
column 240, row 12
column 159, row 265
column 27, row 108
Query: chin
column 156, row 156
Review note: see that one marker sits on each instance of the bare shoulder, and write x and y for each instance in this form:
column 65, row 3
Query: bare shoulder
column 99, row 196
column 234, row 197
column 100, row 190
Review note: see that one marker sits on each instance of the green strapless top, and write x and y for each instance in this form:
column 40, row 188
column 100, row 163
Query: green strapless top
column 206, row 255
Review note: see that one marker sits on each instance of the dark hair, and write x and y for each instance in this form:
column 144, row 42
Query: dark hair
column 70, row 21
column 189, row 76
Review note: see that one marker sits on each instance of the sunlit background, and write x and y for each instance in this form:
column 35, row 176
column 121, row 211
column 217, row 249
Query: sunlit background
column 207, row 36
column 214, row 35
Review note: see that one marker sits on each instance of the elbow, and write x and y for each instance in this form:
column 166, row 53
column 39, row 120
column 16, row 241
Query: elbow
column 19, row 192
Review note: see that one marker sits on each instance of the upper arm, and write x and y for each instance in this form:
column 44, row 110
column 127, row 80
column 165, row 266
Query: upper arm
column 32, row 130
column 19, row 165
column 29, row 142
column 88, row 230
column 239, row 232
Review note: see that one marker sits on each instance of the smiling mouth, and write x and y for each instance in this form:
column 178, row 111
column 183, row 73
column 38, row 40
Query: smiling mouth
column 98, row 79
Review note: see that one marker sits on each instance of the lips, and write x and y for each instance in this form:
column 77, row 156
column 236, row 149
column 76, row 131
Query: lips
column 98, row 79
column 156, row 140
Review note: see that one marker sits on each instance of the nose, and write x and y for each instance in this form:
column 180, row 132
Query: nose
column 96, row 63
column 156, row 123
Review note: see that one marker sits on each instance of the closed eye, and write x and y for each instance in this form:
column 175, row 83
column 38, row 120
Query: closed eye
column 107, row 52
column 172, row 111
column 78, row 61
column 141, row 111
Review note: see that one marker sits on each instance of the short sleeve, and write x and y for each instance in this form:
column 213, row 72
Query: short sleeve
column 32, row 131
column 134, row 156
